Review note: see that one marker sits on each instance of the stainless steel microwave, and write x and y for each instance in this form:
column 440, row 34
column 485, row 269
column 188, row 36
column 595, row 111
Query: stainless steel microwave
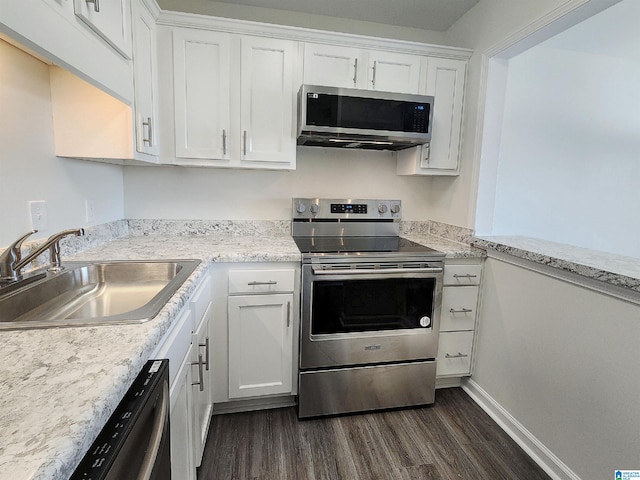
column 351, row 118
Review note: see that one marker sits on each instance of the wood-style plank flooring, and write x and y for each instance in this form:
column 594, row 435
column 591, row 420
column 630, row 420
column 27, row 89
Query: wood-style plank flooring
column 451, row 440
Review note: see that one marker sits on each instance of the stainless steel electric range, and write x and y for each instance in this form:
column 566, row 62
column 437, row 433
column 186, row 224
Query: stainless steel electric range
column 370, row 308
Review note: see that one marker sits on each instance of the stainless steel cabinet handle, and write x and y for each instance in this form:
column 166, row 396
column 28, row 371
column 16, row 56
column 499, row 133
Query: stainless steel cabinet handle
column 200, row 373
column 288, row 314
column 244, row 143
column 157, row 432
column 459, row 355
column 461, row 310
column 373, row 79
column 149, row 139
column 206, row 352
column 96, row 5
column 466, row 275
column 355, row 72
column 268, row 282
column 224, row 142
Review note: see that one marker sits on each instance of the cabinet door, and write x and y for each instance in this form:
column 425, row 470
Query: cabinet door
column 445, row 81
column 334, row 66
column 182, row 452
column 110, row 19
column 267, row 102
column 201, row 93
column 394, row 72
column 201, row 373
column 260, row 345
column 145, row 80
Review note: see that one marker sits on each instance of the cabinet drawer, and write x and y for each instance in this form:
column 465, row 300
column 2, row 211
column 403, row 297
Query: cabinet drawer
column 458, row 308
column 462, row 274
column 261, row 281
column 454, row 353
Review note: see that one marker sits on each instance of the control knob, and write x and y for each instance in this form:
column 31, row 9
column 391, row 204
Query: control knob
column 314, row 208
column 382, row 208
column 395, row 208
column 301, row 208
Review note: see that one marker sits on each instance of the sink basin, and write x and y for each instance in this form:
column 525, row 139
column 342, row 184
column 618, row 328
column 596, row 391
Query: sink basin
column 95, row 293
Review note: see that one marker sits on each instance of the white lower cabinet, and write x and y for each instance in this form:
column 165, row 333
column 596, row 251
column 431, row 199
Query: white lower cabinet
column 256, row 308
column 260, row 344
column 188, row 345
column 181, row 415
column 458, row 317
column 201, row 371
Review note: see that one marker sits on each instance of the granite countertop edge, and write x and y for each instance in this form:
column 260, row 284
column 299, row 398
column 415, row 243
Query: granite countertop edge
column 617, row 270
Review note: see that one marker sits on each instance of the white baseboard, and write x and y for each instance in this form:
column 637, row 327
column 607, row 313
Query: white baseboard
column 540, row 454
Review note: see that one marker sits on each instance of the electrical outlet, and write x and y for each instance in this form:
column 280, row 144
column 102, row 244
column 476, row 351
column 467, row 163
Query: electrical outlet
column 90, row 211
column 38, row 215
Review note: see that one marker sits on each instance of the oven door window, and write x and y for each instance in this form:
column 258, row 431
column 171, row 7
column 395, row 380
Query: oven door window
column 369, row 305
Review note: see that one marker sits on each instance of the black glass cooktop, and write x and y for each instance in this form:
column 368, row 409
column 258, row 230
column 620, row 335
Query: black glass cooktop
column 359, row 245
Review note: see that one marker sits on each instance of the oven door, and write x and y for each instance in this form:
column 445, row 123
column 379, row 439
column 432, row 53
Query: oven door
column 363, row 317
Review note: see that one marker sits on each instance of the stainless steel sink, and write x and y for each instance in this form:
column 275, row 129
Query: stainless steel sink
column 95, row 293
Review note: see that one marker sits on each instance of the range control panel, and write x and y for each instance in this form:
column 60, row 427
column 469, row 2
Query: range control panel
column 327, row 209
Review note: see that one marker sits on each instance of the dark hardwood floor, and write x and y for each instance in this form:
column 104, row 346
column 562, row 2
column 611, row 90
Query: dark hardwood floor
column 451, row 440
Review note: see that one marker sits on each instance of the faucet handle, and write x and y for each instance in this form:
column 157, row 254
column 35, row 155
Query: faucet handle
column 11, row 256
column 15, row 247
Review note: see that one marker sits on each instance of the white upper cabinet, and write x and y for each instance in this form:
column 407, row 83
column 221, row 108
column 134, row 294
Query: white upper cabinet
column 145, row 80
column 394, row 72
column 445, row 80
column 111, row 19
column 348, row 67
column 51, row 29
column 201, row 88
column 267, row 101
column 333, row 66
column 234, row 100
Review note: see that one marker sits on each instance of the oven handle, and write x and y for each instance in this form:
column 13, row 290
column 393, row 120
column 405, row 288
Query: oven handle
column 355, row 271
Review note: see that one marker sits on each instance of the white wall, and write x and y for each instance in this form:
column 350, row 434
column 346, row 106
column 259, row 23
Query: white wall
column 560, row 132
column 28, row 168
column 563, row 361
column 200, row 193
column 489, row 22
column 568, row 168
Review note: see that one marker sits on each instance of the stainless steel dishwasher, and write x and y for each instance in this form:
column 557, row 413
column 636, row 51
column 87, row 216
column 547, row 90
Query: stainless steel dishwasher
column 135, row 442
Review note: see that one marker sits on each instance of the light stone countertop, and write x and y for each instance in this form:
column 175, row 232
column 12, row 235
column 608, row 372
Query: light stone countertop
column 59, row 386
column 617, row 270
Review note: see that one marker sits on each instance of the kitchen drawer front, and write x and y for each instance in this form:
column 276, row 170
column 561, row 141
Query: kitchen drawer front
column 458, row 308
column 454, row 353
column 261, row 281
column 462, row 274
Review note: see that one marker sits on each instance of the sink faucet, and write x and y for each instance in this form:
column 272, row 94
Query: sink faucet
column 11, row 261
